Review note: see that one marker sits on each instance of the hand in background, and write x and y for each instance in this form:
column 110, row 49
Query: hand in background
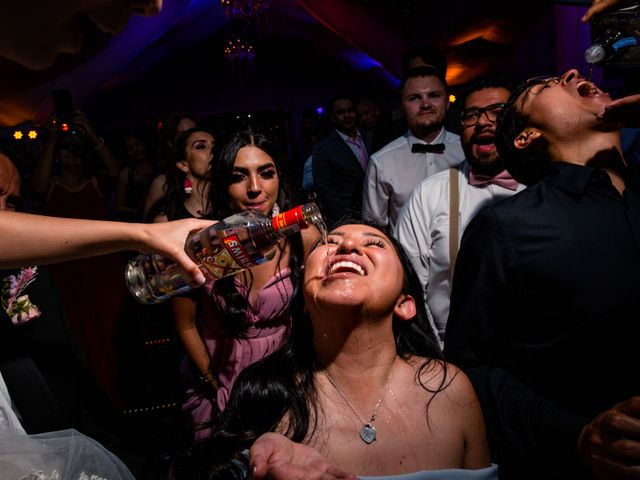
column 81, row 123
column 610, row 444
column 596, row 7
column 624, row 111
column 276, row 457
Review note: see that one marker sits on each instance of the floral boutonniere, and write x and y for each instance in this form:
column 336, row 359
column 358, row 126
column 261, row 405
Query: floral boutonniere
column 19, row 307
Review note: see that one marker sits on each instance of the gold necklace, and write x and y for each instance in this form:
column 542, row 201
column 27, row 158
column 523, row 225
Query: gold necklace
column 368, row 431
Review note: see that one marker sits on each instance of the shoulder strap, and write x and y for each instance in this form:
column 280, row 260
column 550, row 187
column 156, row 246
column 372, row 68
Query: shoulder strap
column 453, row 218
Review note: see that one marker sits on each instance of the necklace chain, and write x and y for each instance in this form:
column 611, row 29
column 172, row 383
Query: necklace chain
column 368, row 432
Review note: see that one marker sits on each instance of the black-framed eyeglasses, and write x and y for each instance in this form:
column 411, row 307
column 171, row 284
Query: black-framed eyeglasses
column 470, row 116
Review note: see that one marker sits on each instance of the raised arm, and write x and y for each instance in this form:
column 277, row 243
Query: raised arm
column 27, row 239
column 43, row 168
column 111, row 164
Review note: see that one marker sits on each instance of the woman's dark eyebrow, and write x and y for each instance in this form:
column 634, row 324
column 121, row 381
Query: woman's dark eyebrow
column 260, row 168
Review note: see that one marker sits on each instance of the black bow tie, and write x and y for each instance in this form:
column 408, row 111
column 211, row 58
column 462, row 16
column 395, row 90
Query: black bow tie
column 427, row 148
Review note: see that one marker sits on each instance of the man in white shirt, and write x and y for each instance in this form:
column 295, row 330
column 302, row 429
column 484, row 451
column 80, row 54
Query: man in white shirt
column 425, row 227
column 426, row 148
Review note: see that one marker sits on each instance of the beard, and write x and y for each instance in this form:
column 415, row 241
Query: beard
column 487, row 163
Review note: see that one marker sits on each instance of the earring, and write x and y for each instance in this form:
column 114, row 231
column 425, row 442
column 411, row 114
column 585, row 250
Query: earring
column 275, row 210
column 188, row 188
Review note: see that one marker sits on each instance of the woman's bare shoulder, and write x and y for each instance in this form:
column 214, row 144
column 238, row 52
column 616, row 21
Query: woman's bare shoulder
column 439, row 376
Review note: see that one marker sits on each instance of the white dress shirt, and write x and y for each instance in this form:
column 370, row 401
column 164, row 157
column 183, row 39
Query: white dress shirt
column 394, row 171
column 423, row 230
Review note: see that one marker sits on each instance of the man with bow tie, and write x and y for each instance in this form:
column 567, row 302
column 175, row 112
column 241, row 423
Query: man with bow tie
column 427, row 148
column 431, row 224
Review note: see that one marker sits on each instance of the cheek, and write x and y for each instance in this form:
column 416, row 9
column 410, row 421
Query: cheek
column 271, row 185
column 440, row 105
column 409, row 108
column 466, row 134
column 202, row 162
column 236, row 192
column 316, row 263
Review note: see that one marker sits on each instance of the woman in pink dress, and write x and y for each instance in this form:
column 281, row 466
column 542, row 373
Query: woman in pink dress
column 245, row 317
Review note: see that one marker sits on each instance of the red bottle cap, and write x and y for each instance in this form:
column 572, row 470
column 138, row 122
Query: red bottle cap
column 288, row 218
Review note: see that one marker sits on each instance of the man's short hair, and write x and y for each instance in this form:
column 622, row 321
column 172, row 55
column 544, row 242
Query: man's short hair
column 423, row 71
column 491, row 80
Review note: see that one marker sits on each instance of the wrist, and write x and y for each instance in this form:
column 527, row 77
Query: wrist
column 210, row 378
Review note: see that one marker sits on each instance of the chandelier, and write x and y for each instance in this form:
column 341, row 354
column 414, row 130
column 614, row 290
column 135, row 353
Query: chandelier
column 238, row 49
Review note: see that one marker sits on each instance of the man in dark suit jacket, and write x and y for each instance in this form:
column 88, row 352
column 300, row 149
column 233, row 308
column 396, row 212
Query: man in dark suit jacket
column 339, row 162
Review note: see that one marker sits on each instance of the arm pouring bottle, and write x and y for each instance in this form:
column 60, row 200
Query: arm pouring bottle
column 225, row 248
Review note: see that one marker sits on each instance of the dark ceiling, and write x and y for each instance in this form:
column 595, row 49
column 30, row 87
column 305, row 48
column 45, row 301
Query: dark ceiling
column 304, row 49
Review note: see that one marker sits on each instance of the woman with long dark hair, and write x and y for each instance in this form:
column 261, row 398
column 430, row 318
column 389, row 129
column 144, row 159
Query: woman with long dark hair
column 362, row 379
column 247, row 316
column 188, row 177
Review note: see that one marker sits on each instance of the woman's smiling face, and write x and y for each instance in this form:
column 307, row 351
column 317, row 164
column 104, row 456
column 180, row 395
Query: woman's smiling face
column 253, row 181
column 359, row 266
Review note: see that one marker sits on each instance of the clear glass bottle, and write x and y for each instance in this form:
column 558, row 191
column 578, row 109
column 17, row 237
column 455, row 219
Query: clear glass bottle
column 225, row 248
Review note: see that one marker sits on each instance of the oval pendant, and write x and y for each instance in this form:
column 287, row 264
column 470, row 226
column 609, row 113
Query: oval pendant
column 368, row 434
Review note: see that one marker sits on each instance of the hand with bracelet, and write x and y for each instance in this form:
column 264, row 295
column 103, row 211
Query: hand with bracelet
column 209, row 378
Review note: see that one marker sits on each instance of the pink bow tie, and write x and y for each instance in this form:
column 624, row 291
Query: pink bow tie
column 504, row 179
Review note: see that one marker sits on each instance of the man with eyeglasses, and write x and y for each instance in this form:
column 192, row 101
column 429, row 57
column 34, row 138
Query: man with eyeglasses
column 424, row 150
column 545, row 310
column 431, row 223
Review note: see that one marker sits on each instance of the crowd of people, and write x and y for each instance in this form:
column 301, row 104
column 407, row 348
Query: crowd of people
column 470, row 314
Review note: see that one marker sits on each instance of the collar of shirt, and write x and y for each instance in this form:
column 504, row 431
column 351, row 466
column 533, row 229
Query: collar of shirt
column 575, row 178
column 347, row 138
column 358, row 148
column 411, row 138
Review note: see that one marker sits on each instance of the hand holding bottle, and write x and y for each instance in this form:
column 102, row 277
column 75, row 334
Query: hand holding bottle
column 225, row 248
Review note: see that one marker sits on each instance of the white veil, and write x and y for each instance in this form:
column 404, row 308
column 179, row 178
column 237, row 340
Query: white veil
column 62, row 455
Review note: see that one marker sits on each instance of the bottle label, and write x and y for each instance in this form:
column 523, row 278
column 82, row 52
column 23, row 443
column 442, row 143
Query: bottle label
column 236, row 250
column 288, row 218
column 228, row 257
